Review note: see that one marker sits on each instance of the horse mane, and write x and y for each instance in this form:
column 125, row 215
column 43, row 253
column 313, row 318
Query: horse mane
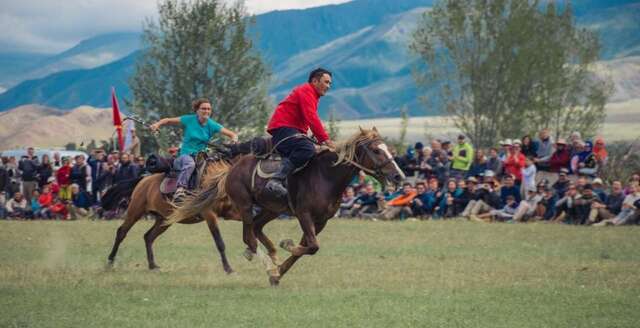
column 346, row 150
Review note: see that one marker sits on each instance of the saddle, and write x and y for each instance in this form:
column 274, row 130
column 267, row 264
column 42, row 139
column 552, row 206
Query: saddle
column 169, row 183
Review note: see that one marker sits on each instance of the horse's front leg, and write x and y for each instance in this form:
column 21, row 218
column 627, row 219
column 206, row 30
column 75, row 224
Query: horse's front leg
column 288, row 245
column 310, row 245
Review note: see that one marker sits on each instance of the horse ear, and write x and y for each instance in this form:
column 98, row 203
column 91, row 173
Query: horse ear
column 374, row 129
column 361, row 129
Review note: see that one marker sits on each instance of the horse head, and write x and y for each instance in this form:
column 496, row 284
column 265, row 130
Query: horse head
column 369, row 153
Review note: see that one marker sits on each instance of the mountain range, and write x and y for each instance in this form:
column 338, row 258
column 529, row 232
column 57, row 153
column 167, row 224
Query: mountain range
column 364, row 42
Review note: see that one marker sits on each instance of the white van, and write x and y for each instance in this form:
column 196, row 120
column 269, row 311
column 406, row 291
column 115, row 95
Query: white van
column 18, row 153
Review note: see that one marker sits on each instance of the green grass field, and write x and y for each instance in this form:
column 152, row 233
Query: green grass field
column 366, row 274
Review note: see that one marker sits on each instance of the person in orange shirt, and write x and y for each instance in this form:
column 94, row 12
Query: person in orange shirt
column 400, row 207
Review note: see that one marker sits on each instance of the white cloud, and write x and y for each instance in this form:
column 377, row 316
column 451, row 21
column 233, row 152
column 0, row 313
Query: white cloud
column 52, row 26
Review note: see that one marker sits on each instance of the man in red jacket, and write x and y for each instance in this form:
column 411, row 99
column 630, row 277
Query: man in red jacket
column 295, row 115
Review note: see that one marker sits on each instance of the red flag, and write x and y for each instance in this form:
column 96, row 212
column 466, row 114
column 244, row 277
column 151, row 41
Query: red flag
column 117, row 122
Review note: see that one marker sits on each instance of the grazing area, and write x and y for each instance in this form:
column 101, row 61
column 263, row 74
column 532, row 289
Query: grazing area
column 367, row 274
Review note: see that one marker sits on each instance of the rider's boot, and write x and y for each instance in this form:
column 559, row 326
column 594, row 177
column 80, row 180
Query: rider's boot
column 179, row 195
column 276, row 186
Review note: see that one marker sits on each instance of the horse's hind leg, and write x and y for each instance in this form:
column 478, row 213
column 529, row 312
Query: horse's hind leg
column 156, row 230
column 132, row 216
column 217, row 237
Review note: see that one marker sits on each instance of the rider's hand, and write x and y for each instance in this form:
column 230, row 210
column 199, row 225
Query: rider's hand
column 329, row 144
column 155, row 126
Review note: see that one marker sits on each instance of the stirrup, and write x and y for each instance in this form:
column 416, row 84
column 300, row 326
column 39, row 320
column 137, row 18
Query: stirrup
column 179, row 195
column 277, row 188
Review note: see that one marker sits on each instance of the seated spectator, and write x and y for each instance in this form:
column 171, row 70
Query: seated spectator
column 478, row 166
column 17, row 207
column 629, row 189
column 504, row 214
column 422, row 205
column 391, row 193
column 584, row 161
column 566, row 209
column 529, row 148
column 58, row 209
column 585, row 202
column 598, row 188
column 581, row 182
column 484, row 199
column 361, row 181
column 628, row 212
column 444, row 207
column 461, row 200
column 3, row 204
column 527, row 207
column 561, row 186
column 80, row 202
column 45, row 201
column 399, row 207
column 509, row 188
column 546, row 208
column 35, row 205
column 610, row 207
column 347, row 202
column 367, row 203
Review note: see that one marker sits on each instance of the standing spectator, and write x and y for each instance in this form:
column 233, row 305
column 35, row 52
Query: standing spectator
column 440, row 166
column 29, row 168
column 479, row 164
column 514, row 163
column 446, row 148
column 494, row 164
column 14, row 177
column 17, row 206
column 63, row 176
column 57, row 162
column 560, row 158
column 4, row 176
column 462, row 157
column 95, row 161
column 142, row 169
column 528, row 176
column 529, row 148
column 45, row 171
column 600, row 152
column 544, row 149
column 134, row 147
column 127, row 170
column 81, row 174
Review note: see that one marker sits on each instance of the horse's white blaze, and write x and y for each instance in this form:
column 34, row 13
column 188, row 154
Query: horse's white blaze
column 385, row 149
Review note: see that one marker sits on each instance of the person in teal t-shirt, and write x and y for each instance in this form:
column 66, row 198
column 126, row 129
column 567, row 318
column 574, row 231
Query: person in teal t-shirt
column 197, row 130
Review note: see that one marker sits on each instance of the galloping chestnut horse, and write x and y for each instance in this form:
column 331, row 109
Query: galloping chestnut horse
column 147, row 199
column 314, row 194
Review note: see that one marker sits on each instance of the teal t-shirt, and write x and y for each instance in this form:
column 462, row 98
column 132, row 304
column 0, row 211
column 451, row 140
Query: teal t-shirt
column 195, row 135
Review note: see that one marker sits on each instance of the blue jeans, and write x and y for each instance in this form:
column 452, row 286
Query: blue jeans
column 186, row 165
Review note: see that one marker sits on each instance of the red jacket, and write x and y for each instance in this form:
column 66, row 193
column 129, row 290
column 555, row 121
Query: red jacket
column 64, row 175
column 559, row 160
column 299, row 111
column 514, row 164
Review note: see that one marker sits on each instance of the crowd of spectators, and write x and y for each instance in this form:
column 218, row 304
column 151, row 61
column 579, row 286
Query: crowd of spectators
column 61, row 187
column 522, row 180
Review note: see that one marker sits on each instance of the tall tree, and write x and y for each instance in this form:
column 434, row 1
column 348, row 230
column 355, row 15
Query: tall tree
column 504, row 68
column 199, row 49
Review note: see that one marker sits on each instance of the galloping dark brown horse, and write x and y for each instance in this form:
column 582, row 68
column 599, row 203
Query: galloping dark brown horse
column 314, row 194
column 147, row 199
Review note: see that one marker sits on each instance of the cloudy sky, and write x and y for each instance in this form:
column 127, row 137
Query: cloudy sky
column 52, row 25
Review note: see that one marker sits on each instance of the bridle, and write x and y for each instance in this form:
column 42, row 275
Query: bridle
column 378, row 165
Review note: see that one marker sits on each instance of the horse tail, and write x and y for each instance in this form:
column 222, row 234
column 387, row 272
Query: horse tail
column 117, row 192
column 212, row 192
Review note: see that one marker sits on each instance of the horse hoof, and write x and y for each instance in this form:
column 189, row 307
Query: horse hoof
column 229, row 271
column 274, row 281
column 154, row 267
column 248, row 254
column 287, row 244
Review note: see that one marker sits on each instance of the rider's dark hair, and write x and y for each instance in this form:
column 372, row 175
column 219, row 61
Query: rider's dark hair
column 196, row 103
column 318, row 73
